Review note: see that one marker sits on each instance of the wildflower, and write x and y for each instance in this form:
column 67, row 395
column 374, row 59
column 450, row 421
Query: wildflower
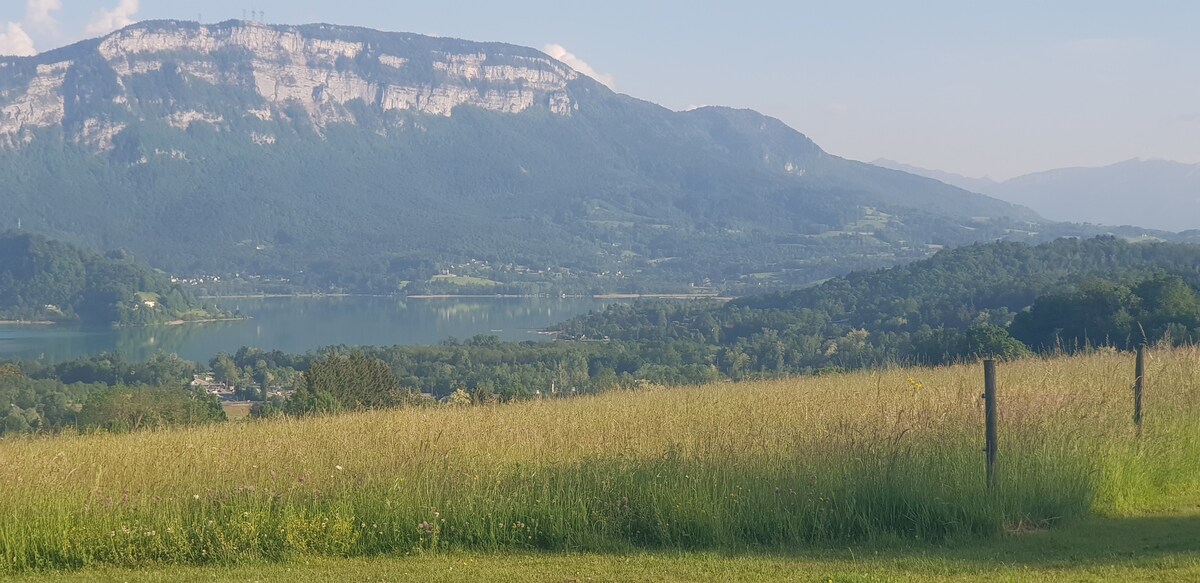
column 195, row 496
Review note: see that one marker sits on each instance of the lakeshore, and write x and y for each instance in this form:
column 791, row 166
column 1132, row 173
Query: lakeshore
column 686, row 297
column 204, row 321
column 297, row 325
column 610, row 296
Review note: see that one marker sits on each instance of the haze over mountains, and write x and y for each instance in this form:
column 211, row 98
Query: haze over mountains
column 367, row 160
column 1156, row 194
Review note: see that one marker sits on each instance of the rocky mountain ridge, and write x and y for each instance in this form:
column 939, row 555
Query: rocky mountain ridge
column 278, row 71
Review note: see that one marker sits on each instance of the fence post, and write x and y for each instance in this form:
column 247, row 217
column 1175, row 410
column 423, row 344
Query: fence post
column 1139, row 385
column 989, row 408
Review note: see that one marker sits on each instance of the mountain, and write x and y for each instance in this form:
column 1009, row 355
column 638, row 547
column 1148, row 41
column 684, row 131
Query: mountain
column 964, row 182
column 1156, row 194
column 367, row 160
column 48, row 280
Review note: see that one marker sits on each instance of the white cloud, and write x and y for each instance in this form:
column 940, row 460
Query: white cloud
column 15, row 41
column 39, row 14
column 574, row 62
column 109, row 20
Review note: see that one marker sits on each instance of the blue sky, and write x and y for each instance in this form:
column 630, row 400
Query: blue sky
column 979, row 88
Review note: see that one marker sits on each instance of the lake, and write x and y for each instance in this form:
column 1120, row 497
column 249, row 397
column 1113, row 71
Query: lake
column 297, row 325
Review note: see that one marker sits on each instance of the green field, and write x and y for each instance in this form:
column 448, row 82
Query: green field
column 858, row 477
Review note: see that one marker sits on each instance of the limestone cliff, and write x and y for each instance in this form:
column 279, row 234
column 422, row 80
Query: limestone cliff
column 329, row 74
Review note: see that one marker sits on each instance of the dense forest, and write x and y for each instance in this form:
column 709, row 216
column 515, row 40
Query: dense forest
column 1001, row 300
column 46, row 280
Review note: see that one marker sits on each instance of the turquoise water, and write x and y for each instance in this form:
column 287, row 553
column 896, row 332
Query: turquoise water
column 297, row 325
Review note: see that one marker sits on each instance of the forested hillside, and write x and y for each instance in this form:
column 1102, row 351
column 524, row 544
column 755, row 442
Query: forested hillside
column 46, row 280
column 949, row 306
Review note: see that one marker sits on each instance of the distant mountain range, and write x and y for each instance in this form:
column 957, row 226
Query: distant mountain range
column 362, row 160
column 1156, row 194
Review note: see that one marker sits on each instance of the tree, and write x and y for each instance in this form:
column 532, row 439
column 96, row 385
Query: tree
column 1100, row 312
column 225, row 370
column 305, row 402
column 1169, row 304
column 991, row 341
column 354, row 381
column 10, row 371
column 459, row 398
column 124, row 409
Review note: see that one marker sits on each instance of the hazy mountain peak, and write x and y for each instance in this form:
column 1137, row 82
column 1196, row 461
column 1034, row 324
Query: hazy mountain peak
column 1151, row 193
column 982, row 185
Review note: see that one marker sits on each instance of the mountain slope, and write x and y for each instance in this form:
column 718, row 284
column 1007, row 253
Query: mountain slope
column 1155, row 194
column 980, row 185
column 367, row 157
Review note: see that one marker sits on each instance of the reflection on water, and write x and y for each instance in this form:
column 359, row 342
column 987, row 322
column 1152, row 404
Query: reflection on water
column 300, row 324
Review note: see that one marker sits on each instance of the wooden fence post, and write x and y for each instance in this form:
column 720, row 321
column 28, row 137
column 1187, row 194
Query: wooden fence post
column 1139, row 385
column 989, row 408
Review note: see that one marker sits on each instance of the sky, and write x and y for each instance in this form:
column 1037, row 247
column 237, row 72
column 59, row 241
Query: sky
column 978, row 88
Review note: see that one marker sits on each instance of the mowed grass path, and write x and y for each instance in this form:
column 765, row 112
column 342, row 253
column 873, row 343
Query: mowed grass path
column 649, row 485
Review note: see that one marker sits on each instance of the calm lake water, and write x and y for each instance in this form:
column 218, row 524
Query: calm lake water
column 296, row 325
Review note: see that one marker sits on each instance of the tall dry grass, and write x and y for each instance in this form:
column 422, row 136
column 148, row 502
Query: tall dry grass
column 884, row 454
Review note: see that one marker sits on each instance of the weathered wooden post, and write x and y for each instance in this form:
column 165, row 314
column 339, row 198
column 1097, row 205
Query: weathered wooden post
column 989, row 408
column 1139, row 385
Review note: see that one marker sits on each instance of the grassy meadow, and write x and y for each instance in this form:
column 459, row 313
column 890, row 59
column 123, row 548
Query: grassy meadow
column 877, row 458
